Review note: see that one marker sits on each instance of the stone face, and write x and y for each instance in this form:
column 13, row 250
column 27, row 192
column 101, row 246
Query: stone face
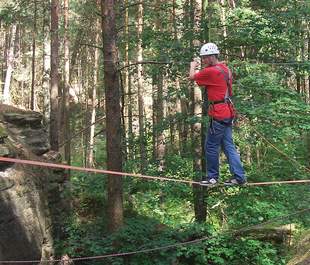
column 30, row 212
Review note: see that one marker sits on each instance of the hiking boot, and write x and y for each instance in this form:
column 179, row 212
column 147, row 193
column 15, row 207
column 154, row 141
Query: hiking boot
column 234, row 182
column 209, row 182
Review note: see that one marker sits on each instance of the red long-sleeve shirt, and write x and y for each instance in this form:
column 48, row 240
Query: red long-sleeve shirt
column 213, row 80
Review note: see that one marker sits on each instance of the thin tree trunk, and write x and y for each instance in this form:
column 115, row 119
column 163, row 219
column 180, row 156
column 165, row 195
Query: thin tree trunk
column 126, row 84
column 308, row 40
column 196, row 98
column 54, row 114
column 160, row 141
column 94, row 97
column 10, row 65
column 46, row 65
column 33, row 76
column 113, row 116
column 66, row 103
column 3, row 50
column 140, row 88
column 181, row 101
column 232, row 4
column 223, row 22
column 130, row 121
column 179, row 120
column 159, row 107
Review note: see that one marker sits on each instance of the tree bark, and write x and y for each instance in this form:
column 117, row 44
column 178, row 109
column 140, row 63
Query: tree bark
column 113, row 116
column 54, row 114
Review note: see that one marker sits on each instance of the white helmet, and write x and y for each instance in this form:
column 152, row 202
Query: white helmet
column 209, row 49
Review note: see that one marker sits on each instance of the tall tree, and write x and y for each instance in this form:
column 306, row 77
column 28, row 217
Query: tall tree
column 113, row 115
column 65, row 97
column 46, row 58
column 33, row 75
column 140, row 87
column 159, row 99
column 54, row 114
column 196, row 110
column 94, row 93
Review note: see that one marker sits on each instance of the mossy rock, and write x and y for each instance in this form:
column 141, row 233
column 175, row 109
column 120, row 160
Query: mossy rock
column 3, row 132
column 23, row 119
column 6, row 183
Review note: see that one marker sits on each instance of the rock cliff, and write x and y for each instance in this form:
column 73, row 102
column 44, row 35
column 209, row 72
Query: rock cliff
column 31, row 204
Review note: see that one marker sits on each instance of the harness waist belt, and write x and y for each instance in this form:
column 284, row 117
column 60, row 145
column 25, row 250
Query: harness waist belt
column 220, row 101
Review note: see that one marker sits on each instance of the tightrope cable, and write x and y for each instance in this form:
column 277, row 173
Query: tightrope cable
column 117, row 173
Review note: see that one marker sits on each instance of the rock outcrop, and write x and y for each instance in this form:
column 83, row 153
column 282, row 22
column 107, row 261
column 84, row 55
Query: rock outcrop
column 31, row 204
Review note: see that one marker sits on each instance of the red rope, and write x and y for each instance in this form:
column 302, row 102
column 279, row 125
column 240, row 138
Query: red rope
column 94, row 170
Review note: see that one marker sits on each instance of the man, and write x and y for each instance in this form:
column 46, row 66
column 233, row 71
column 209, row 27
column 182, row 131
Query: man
column 216, row 78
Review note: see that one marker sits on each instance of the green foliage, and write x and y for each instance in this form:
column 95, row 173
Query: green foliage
column 141, row 233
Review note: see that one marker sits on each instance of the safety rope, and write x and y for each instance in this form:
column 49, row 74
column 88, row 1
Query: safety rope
column 280, row 151
column 169, row 62
column 117, row 173
column 271, row 144
column 167, row 247
column 94, row 170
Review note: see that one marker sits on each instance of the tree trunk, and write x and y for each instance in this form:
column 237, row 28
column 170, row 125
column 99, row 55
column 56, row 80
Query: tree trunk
column 130, row 121
column 308, row 40
column 223, row 22
column 232, row 4
column 33, row 76
column 160, row 147
column 196, row 110
column 126, row 85
column 160, row 137
column 140, row 87
column 113, row 116
column 54, row 114
column 94, row 97
column 46, row 65
column 65, row 102
column 9, row 69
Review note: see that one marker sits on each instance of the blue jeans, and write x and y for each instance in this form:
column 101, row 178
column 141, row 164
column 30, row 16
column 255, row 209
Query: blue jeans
column 220, row 135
